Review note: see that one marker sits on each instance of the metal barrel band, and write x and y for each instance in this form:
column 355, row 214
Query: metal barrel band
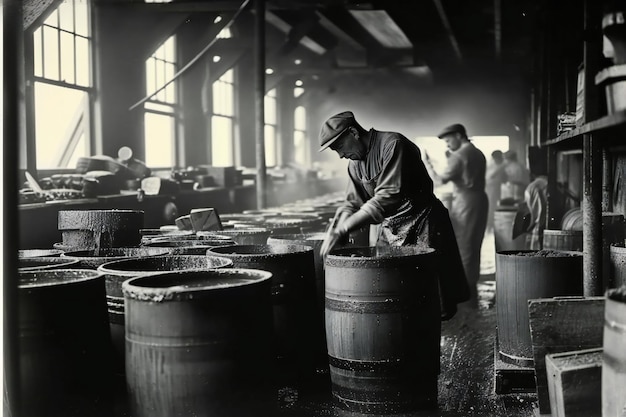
column 381, row 368
column 390, row 305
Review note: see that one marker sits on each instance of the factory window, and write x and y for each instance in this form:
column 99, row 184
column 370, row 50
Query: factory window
column 161, row 110
column 223, row 121
column 271, row 129
column 301, row 153
column 62, row 85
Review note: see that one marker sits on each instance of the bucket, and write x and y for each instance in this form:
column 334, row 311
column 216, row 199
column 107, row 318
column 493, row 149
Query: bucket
column 46, row 263
column 64, row 343
column 116, row 272
column 95, row 229
column 293, row 300
column 614, row 356
column 525, row 275
column 568, row 240
column 198, row 343
column 618, row 265
column 383, row 328
column 503, row 230
column 89, row 258
column 242, row 236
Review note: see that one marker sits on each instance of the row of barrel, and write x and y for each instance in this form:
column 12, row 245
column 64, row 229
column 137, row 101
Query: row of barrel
column 210, row 323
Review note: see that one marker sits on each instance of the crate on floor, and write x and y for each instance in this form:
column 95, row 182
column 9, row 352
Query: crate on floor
column 575, row 383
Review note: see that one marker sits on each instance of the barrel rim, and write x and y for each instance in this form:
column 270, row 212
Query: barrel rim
column 561, row 231
column 132, row 291
column 512, row 253
column 21, row 253
column 106, row 268
column 335, row 258
column 298, row 237
column 81, row 276
column 56, row 262
column 297, row 249
column 250, row 231
column 84, row 254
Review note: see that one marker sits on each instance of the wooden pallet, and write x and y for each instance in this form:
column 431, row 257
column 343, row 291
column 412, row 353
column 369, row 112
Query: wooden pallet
column 509, row 378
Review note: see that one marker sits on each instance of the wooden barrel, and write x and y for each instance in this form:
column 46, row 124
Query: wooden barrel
column 314, row 241
column 293, row 300
column 503, row 219
column 38, row 253
column 568, row 240
column 92, row 260
column 383, row 328
column 95, row 229
column 618, row 265
column 525, row 275
column 572, row 219
column 46, row 263
column 116, row 272
column 614, row 356
column 198, row 343
column 64, row 344
column 242, row 236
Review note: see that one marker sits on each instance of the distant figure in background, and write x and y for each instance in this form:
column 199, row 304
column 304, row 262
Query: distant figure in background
column 466, row 170
column 494, row 178
column 389, row 185
column 517, row 176
column 535, row 197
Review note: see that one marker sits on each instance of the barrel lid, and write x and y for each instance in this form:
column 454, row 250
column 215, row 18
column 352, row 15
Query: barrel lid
column 189, row 284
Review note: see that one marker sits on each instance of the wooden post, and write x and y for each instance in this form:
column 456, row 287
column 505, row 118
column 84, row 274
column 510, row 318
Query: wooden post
column 13, row 79
column 259, row 99
column 592, row 161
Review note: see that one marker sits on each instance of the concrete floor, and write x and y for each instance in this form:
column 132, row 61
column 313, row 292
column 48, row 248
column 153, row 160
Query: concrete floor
column 466, row 381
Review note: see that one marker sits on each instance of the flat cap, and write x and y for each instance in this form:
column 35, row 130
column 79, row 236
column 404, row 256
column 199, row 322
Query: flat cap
column 455, row 128
column 333, row 128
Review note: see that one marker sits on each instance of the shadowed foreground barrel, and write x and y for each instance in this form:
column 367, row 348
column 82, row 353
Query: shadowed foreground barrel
column 198, row 343
column 116, row 272
column 383, row 326
column 618, row 265
column 293, row 299
column 563, row 239
column 614, row 355
column 525, row 275
column 64, row 338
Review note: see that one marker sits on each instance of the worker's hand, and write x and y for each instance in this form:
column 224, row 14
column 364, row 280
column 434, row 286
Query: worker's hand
column 331, row 240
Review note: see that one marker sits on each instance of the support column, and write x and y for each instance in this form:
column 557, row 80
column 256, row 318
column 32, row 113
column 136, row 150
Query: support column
column 14, row 134
column 259, row 98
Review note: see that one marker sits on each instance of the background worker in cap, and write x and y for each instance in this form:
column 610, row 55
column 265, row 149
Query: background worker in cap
column 466, row 170
column 389, row 185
